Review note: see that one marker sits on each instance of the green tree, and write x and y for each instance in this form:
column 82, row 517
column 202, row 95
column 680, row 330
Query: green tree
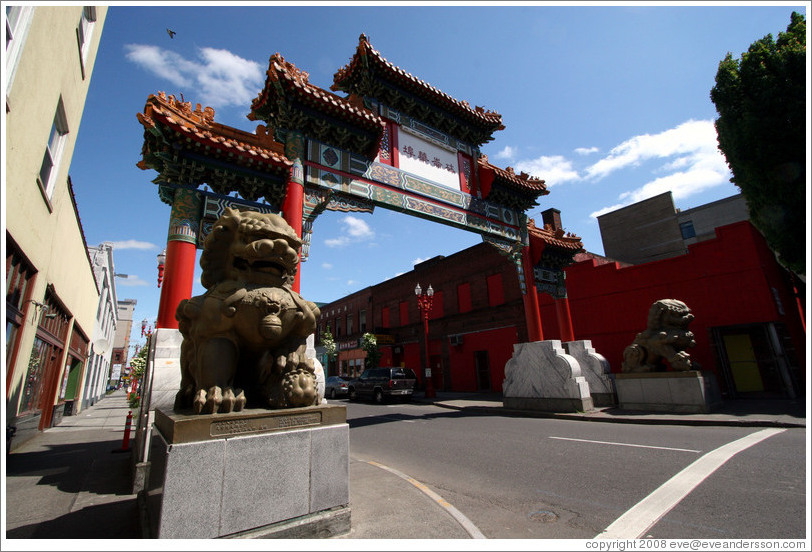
column 138, row 366
column 370, row 345
column 761, row 101
column 138, row 363
column 329, row 343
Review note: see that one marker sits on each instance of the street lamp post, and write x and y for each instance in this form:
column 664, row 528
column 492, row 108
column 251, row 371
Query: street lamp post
column 161, row 263
column 147, row 331
column 424, row 301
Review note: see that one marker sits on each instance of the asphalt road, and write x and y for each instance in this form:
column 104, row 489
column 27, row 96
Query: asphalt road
column 539, row 478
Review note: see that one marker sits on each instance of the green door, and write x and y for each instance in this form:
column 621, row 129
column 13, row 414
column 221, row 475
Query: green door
column 743, row 363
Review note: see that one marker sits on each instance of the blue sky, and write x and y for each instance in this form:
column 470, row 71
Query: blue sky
column 608, row 104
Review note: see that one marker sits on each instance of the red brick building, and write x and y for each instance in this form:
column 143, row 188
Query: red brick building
column 477, row 314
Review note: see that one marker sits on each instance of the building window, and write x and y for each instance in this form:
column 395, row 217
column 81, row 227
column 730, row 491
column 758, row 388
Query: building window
column 464, row 297
column 687, row 229
column 53, row 151
column 19, row 277
column 362, row 320
column 404, row 313
column 18, row 21
column 349, row 324
column 83, row 34
column 496, row 295
column 437, row 311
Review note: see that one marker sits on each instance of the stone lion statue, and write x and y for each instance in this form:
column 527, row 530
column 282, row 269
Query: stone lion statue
column 666, row 338
column 244, row 340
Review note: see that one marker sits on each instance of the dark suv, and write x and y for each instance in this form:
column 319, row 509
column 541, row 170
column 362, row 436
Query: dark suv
column 383, row 383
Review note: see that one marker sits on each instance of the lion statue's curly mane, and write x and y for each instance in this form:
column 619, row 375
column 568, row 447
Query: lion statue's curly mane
column 665, row 339
column 244, row 340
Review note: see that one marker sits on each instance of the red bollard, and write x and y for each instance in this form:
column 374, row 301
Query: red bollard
column 125, row 445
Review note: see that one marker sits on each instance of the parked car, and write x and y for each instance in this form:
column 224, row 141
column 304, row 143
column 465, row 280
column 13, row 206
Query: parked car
column 383, row 383
column 336, row 386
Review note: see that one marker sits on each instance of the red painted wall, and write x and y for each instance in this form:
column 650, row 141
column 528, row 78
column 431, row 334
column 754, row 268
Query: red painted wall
column 725, row 281
column 498, row 343
column 411, row 358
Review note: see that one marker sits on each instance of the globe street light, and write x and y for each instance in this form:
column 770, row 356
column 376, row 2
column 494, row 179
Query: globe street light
column 161, row 263
column 424, row 301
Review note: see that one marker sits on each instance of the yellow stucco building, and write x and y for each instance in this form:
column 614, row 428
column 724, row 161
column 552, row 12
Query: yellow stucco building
column 51, row 293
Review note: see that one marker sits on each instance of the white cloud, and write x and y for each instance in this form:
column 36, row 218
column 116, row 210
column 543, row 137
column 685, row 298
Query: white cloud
column 681, row 184
column 553, row 169
column 131, row 280
column 133, row 244
column 352, row 282
column 506, row 153
column 355, row 230
column 609, row 209
column 695, row 139
column 220, row 78
column 696, row 164
column 419, row 260
column 585, row 151
column 327, row 266
column 163, row 63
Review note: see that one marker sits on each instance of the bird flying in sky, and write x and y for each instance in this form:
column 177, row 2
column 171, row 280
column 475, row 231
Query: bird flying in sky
column 171, row 33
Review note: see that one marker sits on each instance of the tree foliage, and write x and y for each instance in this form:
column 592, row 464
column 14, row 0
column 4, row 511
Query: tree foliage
column 329, row 343
column 761, row 101
column 369, row 344
column 138, row 364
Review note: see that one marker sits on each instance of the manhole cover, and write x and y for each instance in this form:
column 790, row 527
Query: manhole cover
column 544, row 516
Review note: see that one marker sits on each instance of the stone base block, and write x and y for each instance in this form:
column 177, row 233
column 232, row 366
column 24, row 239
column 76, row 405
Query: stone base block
column 326, row 524
column 596, row 371
column 548, row 404
column 604, row 399
column 541, row 376
column 251, row 474
column 690, row 392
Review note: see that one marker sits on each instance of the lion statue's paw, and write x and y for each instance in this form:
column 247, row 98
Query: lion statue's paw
column 218, row 400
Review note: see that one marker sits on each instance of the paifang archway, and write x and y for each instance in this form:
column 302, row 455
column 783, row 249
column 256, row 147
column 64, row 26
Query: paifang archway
column 393, row 142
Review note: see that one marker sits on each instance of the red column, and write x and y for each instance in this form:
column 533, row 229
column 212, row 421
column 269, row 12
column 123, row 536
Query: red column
column 531, row 300
column 179, row 278
column 562, row 312
column 293, row 209
column 181, row 252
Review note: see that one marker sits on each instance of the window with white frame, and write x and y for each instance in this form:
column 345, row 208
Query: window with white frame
column 18, row 21
column 84, row 32
column 53, row 151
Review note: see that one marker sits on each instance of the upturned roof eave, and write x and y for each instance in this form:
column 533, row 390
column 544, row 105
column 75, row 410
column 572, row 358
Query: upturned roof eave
column 365, row 55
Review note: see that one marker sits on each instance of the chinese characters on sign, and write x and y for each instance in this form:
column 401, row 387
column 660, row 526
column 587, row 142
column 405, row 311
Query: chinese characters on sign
column 422, row 156
column 428, row 160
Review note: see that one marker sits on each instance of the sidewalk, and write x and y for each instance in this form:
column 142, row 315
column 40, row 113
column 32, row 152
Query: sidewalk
column 73, row 481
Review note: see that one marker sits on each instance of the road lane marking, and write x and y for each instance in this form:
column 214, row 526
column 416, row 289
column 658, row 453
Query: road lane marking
column 643, row 515
column 466, row 523
column 624, row 444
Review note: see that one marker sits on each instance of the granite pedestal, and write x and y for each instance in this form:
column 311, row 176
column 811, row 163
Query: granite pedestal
column 689, row 392
column 541, row 376
column 256, row 474
column 596, row 371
